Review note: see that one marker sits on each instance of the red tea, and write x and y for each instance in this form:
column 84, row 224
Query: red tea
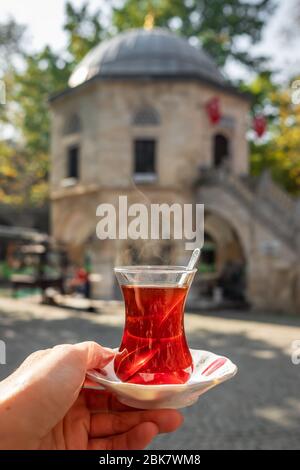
column 154, row 348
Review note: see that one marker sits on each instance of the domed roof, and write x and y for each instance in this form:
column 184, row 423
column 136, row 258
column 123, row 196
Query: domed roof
column 146, row 53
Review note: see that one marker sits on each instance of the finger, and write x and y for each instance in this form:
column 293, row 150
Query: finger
column 135, row 439
column 103, row 401
column 95, row 356
column 107, row 424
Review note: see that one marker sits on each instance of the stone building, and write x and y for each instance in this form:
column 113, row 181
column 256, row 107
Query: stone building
column 134, row 122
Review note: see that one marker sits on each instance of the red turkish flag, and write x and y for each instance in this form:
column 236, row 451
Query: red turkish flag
column 213, row 110
column 260, row 125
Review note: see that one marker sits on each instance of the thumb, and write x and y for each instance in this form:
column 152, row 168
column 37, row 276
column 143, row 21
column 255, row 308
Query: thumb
column 94, row 355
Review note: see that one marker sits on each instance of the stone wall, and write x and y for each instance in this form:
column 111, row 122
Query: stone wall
column 106, row 110
column 184, row 136
column 272, row 265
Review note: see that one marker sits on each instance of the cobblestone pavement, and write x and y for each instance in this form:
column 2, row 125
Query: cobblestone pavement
column 258, row 409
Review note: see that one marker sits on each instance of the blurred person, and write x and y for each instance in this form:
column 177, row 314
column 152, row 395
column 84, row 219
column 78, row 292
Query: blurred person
column 80, row 283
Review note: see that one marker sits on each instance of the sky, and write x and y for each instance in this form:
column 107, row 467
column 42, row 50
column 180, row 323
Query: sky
column 44, row 19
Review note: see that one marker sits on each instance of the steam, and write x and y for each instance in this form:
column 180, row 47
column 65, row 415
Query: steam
column 143, row 251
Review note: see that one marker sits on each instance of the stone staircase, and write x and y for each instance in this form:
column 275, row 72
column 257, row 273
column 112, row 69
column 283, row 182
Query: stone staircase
column 266, row 201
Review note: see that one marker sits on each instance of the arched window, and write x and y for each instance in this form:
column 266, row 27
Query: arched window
column 221, row 150
column 146, row 117
column 73, row 125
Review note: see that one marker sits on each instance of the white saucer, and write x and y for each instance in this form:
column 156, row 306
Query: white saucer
column 209, row 371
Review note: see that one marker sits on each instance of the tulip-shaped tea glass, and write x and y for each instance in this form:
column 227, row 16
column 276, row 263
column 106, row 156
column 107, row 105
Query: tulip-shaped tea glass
column 154, row 349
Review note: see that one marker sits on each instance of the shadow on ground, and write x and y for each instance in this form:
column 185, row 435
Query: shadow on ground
column 258, row 409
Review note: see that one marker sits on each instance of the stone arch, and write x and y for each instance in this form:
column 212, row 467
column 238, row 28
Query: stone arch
column 76, row 226
column 228, row 214
column 146, row 116
column 226, row 238
column 230, row 273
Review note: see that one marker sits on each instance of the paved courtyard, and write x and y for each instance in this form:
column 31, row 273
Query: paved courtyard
column 258, row 409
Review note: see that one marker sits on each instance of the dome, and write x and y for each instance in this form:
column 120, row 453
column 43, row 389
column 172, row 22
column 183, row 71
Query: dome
column 146, row 53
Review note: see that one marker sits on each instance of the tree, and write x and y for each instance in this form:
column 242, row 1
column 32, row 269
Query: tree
column 22, row 177
column 45, row 73
column 24, row 166
column 279, row 151
column 24, row 160
column 218, row 25
column 84, row 30
column 11, row 38
column 11, row 35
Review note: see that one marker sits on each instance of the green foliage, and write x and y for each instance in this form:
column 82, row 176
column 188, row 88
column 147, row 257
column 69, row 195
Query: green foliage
column 11, row 35
column 24, row 168
column 11, row 39
column 84, row 30
column 217, row 24
column 280, row 151
column 45, row 73
column 22, row 176
column 264, row 96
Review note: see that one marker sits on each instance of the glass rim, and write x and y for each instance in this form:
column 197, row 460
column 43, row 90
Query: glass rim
column 154, row 269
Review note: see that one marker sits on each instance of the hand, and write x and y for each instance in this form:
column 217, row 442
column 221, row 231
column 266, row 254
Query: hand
column 43, row 406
